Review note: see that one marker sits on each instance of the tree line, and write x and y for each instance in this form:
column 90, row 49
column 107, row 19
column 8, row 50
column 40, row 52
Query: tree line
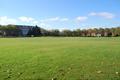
column 9, row 31
column 96, row 32
column 14, row 31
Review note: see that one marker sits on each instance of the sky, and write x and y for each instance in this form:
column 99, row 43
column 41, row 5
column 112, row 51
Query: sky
column 61, row 14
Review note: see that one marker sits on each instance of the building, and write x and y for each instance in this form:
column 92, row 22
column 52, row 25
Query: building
column 24, row 29
column 98, row 35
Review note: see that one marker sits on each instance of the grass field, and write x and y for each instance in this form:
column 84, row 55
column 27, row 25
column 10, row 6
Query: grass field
column 59, row 58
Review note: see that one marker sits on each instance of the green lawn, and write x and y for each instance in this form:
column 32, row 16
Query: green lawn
column 53, row 58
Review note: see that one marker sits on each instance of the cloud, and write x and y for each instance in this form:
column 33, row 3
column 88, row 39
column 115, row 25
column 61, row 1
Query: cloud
column 92, row 14
column 81, row 18
column 4, row 20
column 35, row 22
column 64, row 19
column 106, row 15
column 45, row 25
column 54, row 19
column 50, row 19
column 26, row 19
